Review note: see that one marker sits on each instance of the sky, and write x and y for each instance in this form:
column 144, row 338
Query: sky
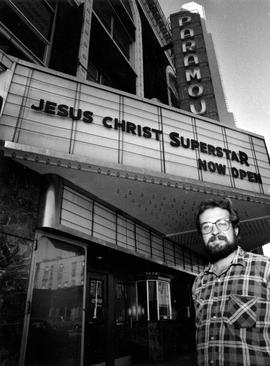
column 241, row 34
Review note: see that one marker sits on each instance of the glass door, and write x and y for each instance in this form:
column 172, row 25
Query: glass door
column 122, row 326
column 55, row 328
column 96, row 325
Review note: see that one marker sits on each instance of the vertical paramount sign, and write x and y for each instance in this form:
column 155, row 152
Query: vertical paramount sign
column 192, row 68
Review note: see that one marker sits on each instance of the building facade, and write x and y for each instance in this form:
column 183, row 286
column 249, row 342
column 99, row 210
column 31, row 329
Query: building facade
column 101, row 174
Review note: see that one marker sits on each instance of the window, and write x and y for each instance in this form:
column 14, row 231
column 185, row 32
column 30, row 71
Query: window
column 38, row 13
column 73, row 273
column 120, row 26
column 55, row 325
column 149, row 299
column 60, row 274
column 31, row 24
column 164, row 300
column 96, row 299
column 45, row 277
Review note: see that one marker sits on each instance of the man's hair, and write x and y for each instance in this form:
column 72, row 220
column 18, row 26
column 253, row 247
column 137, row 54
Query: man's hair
column 225, row 204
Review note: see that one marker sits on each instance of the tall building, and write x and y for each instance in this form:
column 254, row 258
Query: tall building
column 199, row 82
column 100, row 177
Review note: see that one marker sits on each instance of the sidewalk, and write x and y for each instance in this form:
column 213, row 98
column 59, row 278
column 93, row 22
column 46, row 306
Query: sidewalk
column 188, row 359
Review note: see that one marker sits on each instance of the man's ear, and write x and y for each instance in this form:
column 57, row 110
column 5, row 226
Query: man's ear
column 236, row 230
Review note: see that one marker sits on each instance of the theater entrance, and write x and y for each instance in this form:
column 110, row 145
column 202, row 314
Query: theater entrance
column 93, row 305
column 107, row 331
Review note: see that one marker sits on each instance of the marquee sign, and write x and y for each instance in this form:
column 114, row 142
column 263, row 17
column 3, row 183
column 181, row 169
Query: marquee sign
column 45, row 109
column 147, row 132
column 192, row 69
column 193, row 74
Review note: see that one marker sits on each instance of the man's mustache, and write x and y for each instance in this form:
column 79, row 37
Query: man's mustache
column 214, row 237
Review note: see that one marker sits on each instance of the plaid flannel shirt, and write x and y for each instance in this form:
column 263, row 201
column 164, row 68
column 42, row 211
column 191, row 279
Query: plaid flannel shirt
column 233, row 313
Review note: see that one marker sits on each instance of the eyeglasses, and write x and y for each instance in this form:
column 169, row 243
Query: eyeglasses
column 221, row 224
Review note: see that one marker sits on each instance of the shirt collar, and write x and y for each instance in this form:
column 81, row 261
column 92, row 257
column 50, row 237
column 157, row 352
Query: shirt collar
column 237, row 260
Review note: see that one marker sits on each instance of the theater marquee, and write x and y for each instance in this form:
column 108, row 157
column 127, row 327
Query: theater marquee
column 52, row 111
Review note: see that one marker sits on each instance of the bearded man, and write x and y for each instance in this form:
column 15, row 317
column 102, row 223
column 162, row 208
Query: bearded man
column 232, row 295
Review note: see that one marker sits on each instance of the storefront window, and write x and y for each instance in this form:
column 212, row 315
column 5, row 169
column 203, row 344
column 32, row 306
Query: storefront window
column 55, row 330
column 164, row 300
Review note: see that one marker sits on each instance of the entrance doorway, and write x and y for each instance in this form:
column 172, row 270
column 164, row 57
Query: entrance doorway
column 107, row 330
column 97, row 318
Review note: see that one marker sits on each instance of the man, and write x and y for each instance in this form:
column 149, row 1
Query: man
column 232, row 295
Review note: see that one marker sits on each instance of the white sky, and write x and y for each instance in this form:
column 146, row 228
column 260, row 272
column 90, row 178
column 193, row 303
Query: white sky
column 241, row 35
column 266, row 249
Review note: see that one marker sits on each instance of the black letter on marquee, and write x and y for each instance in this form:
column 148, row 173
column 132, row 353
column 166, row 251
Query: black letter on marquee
column 203, row 147
column 147, row 132
column 131, row 127
column 40, row 107
column 157, row 132
column 50, row 107
column 62, row 110
column 211, row 150
column 221, row 168
column 258, row 178
column 72, row 114
column 235, row 173
column 87, row 117
column 234, row 157
column 243, row 174
column 243, row 158
column 183, row 142
column 211, row 166
column 106, row 120
column 118, row 124
column 219, row 152
column 175, row 139
column 194, row 144
column 227, row 153
column 202, row 165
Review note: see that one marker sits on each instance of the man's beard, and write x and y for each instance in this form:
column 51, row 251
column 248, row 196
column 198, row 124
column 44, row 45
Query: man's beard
column 215, row 253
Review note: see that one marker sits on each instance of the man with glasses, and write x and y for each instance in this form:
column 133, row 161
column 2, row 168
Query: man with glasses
column 232, row 295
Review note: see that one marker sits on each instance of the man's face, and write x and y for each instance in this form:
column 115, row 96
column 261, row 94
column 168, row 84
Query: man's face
column 218, row 243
